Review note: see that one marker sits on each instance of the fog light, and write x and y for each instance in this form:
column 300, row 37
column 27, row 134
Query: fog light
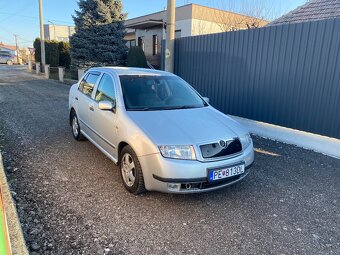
column 174, row 186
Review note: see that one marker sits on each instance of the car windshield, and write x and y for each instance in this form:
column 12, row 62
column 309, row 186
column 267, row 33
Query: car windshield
column 150, row 93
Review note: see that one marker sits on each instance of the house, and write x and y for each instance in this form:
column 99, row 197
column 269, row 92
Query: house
column 311, row 11
column 148, row 31
column 58, row 32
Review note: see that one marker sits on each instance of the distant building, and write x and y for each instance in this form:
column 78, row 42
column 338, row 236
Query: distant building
column 149, row 30
column 10, row 48
column 58, row 32
column 311, row 11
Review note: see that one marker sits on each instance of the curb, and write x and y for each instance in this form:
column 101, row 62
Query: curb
column 16, row 236
column 318, row 143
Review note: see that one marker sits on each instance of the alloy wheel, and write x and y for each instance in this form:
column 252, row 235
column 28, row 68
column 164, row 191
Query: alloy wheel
column 75, row 126
column 128, row 170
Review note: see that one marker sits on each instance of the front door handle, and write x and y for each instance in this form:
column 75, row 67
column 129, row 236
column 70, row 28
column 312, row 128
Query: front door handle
column 76, row 98
column 91, row 108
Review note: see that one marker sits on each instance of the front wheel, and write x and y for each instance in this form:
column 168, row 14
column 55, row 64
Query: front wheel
column 9, row 62
column 131, row 171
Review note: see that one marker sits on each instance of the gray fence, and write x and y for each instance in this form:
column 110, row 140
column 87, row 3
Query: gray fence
column 287, row 75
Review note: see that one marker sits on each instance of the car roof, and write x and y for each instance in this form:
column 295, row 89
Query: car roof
column 130, row 71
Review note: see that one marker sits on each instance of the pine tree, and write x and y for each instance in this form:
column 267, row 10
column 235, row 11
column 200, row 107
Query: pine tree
column 100, row 31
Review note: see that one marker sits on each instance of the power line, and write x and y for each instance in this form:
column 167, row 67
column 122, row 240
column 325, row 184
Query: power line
column 32, row 17
column 21, row 9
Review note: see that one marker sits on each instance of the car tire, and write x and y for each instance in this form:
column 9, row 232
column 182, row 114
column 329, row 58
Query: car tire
column 76, row 128
column 9, row 62
column 131, row 171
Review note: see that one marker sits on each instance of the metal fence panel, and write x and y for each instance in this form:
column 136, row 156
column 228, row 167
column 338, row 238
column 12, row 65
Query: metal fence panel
column 287, row 75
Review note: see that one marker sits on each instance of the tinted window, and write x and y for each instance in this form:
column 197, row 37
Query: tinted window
column 106, row 90
column 87, row 84
column 158, row 93
column 5, row 53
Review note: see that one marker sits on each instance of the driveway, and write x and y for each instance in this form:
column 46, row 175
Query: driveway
column 70, row 198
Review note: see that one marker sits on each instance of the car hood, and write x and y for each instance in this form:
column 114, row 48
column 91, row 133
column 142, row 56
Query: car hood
column 186, row 126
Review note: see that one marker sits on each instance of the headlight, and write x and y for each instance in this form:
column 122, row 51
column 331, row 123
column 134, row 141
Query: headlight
column 178, row 151
column 245, row 141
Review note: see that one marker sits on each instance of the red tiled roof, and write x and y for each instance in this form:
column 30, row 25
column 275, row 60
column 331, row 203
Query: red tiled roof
column 8, row 46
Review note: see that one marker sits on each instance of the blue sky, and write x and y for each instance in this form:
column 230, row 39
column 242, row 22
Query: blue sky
column 21, row 16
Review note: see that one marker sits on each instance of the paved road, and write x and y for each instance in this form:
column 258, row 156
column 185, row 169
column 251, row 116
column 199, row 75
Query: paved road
column 71, row 201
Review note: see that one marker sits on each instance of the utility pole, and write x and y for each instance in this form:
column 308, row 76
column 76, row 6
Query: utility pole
column 170, row 36
column 42, row 36
column 17, row 48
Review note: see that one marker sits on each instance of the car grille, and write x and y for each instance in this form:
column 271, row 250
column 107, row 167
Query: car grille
column 221, row 149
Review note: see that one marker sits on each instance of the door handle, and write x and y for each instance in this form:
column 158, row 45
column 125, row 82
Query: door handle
column 91, row 108
column 76, row 98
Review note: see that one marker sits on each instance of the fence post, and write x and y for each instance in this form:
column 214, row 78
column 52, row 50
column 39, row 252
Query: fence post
column 61, row 72
column 30, row 66
column 80, row 73
column 37, row 67
column 47, row 71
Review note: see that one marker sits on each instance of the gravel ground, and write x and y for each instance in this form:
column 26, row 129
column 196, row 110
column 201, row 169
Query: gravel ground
column 70, row 198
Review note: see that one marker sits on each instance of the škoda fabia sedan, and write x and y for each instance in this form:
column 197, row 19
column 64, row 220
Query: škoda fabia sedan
column 163, row 135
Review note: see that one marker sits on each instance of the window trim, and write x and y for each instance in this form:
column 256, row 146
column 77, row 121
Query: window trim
column 94, row 85
column 98, row 83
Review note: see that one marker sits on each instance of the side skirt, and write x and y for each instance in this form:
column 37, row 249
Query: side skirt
column 100, row 148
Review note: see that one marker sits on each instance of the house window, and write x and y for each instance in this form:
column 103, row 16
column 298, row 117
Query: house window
column 178, row 33
column 154, row 45
column 130, row 43
column 141, row 42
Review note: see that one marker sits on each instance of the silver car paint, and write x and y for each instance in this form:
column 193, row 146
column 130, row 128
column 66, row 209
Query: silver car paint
column 144, row 131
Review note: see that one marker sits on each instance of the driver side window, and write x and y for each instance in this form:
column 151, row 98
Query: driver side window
column 106, row 90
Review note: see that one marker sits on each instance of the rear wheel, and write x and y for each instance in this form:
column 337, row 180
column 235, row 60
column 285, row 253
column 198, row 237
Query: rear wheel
column 9, row 62
column 131, row 171
column 76, row 128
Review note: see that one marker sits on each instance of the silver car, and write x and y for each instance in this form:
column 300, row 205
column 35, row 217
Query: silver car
column 163, row 135
column 6, row 57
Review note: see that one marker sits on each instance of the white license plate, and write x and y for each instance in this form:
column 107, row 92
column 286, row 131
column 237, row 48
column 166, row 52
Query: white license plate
column 227, row 172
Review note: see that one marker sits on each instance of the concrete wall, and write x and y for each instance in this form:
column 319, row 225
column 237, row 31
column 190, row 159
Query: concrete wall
column 148, row 44
column 202, row 27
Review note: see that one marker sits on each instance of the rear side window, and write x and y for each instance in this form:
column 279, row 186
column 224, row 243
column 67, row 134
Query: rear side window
column 106, row 90
column 87, row 84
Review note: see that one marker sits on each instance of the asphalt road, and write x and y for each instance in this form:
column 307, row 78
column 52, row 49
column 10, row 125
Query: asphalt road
column 70, row 198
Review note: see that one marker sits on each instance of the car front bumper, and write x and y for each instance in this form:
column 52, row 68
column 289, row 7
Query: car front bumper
column 160, row 173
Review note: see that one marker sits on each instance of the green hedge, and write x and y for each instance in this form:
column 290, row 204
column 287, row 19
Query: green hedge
column 57, row 53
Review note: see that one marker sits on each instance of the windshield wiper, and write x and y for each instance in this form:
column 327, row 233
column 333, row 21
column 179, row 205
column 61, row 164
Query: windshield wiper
column 164, row 108
column 181, row 107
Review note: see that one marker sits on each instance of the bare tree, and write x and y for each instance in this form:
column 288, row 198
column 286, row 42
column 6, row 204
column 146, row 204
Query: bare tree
column 242, row 14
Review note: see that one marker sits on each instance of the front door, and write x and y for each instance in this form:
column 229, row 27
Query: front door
column 104, row 122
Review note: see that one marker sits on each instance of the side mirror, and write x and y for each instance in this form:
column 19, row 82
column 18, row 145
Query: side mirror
column 107, row 105
column 206, row 99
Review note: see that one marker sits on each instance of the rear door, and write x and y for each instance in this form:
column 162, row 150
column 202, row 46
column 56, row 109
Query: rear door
column 84, row 100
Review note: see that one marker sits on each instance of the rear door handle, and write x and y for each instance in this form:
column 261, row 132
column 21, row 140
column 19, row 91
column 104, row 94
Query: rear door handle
column 76, row 98
column 91, row 108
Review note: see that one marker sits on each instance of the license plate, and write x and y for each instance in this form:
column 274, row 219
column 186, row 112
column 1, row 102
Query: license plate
column 227, row 172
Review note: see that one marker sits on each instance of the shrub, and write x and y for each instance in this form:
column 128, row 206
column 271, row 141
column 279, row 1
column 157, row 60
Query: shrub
column 56, row 53
column 136, row 57
column 52, row 53
column 64, row 54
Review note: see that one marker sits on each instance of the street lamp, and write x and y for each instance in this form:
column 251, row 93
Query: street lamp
column 53, row 28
